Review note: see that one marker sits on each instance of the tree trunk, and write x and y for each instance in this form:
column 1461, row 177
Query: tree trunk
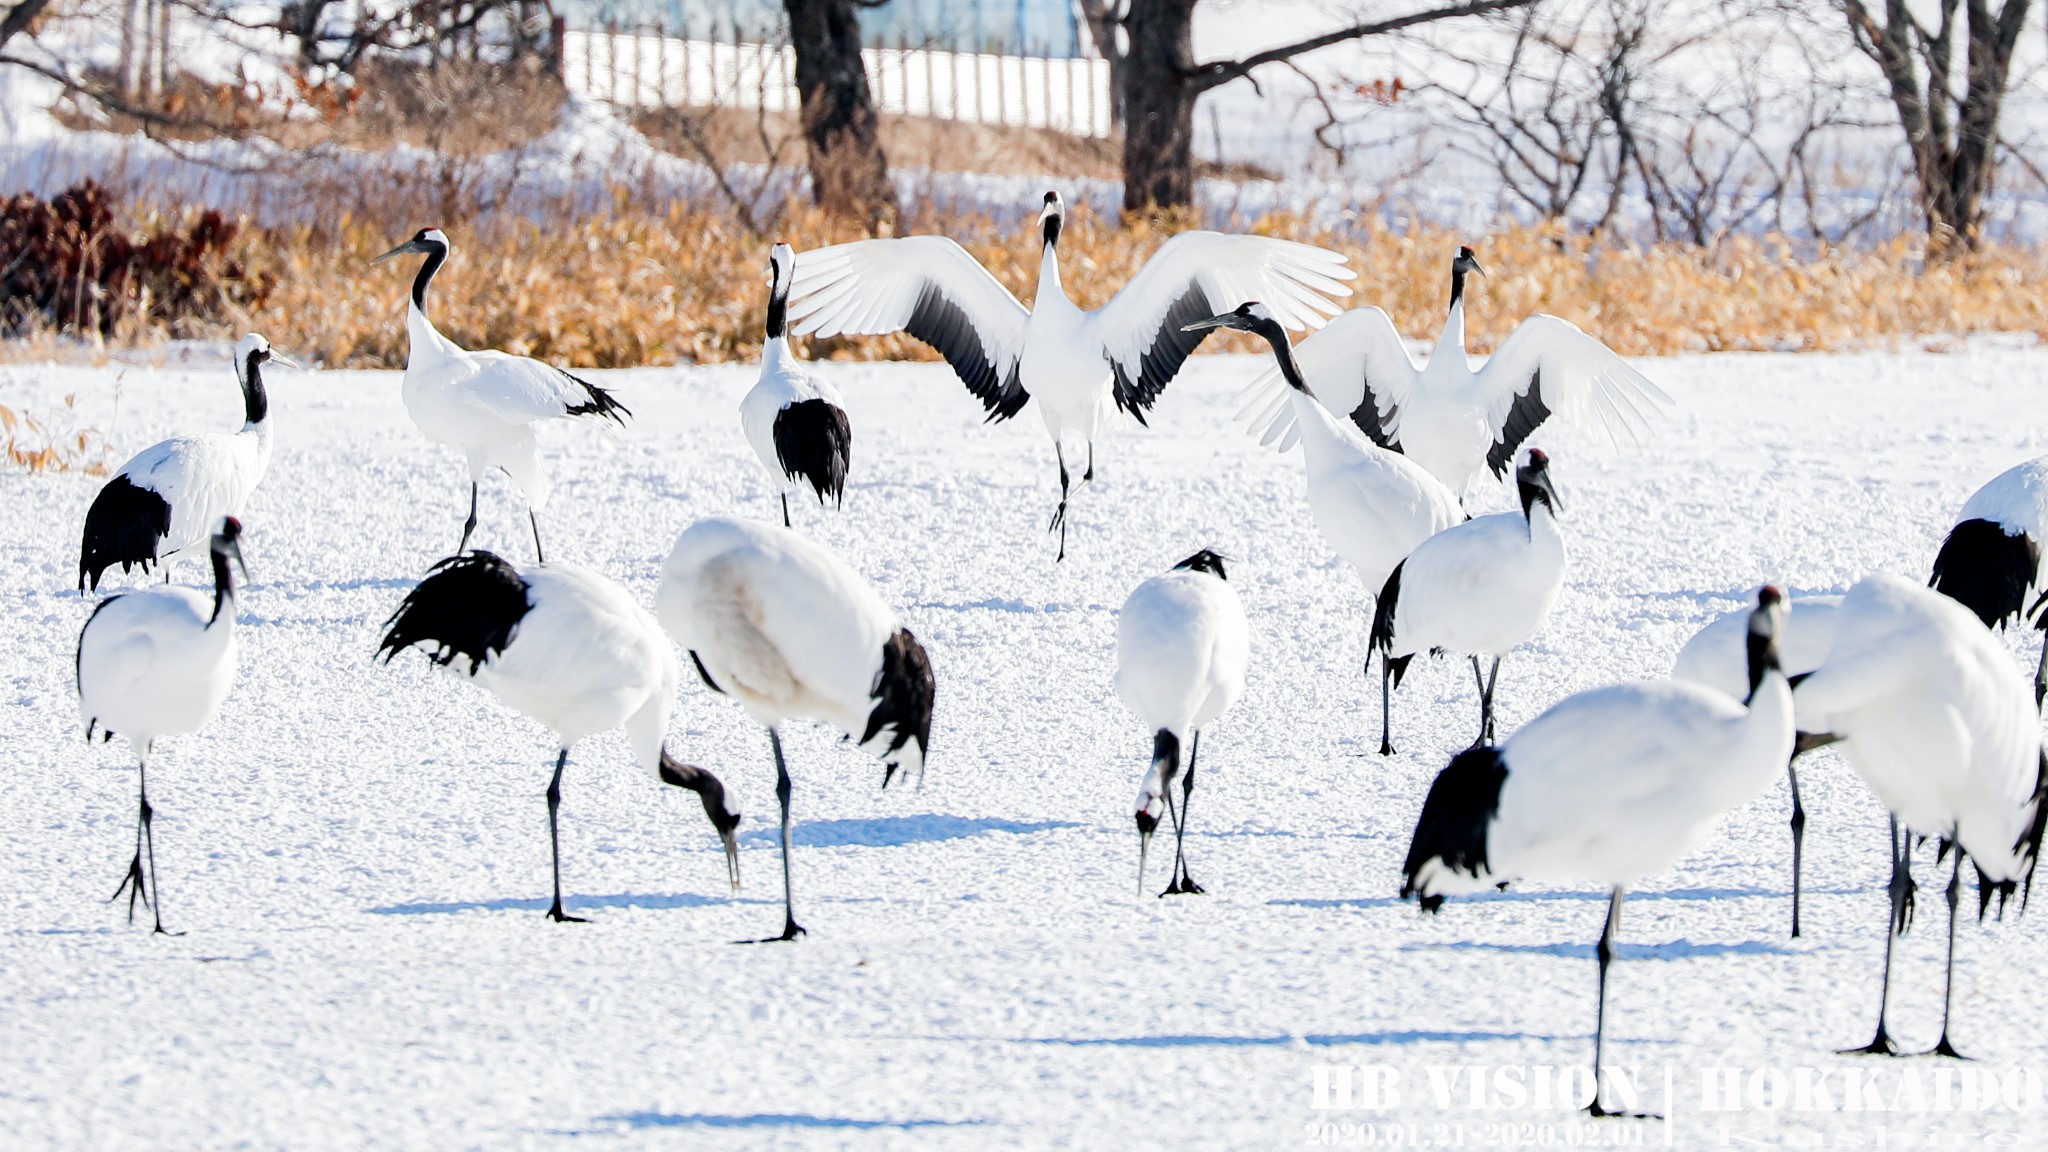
column 849, row 173
column 1159, row 106
column 1953, row 138
column 1102, row 21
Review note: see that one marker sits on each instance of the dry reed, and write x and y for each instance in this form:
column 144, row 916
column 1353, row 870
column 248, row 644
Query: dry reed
column 641, row 286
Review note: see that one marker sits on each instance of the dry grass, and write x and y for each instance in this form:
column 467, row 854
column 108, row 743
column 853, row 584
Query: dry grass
column 43, row 444
column 640, row 286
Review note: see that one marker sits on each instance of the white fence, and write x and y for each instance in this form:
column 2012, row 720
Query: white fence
column 650, row 70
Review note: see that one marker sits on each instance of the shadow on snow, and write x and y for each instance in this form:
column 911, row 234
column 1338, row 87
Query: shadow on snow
column 895, row 831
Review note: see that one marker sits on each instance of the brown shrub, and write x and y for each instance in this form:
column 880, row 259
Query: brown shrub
column 65, row 262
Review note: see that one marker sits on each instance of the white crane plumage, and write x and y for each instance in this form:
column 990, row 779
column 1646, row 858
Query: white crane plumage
column 1931, row 715
column 1373, row 506
column 1608, row 786
column 1182, row 648
column 168, row 499
column 789, row 631
column 1481, row 588
column 1991, row 560
column 795, row 421
column 568, row 648
column 154, row 663
column 1083, row 367
column 1718, row 656
column 1456, row 422
column 484, row 403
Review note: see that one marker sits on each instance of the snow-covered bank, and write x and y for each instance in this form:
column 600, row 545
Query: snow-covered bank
column 358, row 852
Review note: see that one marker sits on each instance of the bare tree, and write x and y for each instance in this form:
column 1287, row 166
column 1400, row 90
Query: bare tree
column 849, row 172
column 1161, row 83
column 1553, row 116
column 19, row 18
column 1949, row 116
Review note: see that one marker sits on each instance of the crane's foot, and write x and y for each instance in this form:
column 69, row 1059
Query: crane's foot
column 790, row 931
column 1183, row 886
column 133, row 884
column 1880, row 1045
column 1599, row 1113
column 1944, row 1048
column 560, row 917
column 1386, row 748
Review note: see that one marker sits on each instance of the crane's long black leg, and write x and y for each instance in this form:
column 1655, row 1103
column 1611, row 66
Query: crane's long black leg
column 1798, row 837
column 156, row 888
column 790, row 928
column 1942, row 1047
column 1059, row 516
column 1486, row 703
column 133, row 881
column 1897, row 918
column 1479, row 681
column 138, row 884
column 2041, row 668
column 1604, row 953
column 469, row 525
column 555, row 912
column 1183, row 883
column 1386, row 700
column 539, row 557
column 1088, row 477
column 785, row 510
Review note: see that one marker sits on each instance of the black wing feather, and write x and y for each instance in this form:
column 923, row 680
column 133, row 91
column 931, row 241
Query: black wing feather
column 942, row 324
column 1170, row 348
column 1986, row 570
column 469, row 605
column 1367, row 417
column 601, row 403
column 1524, row 416
column 124, row 526
column 902, row 693
column 1455, row 817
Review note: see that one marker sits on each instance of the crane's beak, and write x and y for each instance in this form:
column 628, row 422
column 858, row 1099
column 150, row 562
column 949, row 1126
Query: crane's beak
column 234, row 551
column 1477, row 266
column 1146, row 823
column 277, row 357
column 410, row 246
column 732, row 858
column 1224, row 321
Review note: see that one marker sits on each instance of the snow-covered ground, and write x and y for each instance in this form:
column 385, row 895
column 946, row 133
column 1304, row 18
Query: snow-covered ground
column 357, row 852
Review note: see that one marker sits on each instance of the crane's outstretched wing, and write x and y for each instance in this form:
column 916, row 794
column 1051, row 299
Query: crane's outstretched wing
column 1197, row 275
column 522, row 390
column 1548, row 366
column 929, row 287
column 1356, row 366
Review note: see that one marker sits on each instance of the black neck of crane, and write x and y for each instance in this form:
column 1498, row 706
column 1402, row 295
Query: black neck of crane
column 255, row 401
column 437, row 256
column 223, row 585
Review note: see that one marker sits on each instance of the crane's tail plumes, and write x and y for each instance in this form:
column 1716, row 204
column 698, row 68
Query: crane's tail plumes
column 469, row 605
column 1985, row 570
column 899, row 728
column 1448, row 851
column 2027, row 848
column 814, row 441
column 124, row 526
column 1383, row 609
column 599, row 403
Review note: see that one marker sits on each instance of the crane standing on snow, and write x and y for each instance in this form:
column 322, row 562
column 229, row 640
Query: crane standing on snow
column 484, row 404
